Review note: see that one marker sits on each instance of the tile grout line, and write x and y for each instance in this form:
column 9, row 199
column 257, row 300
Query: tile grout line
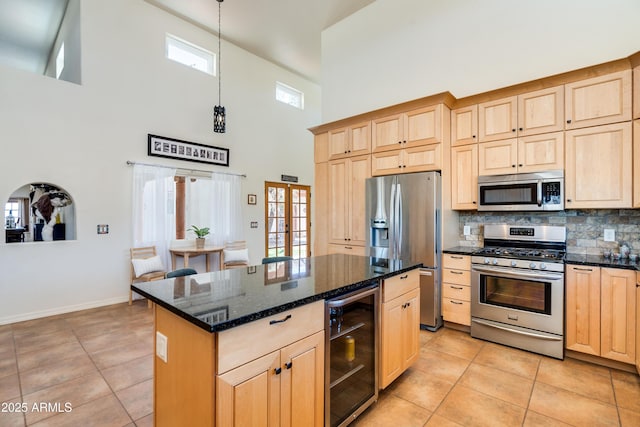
column 533, row 386
column 15, row 358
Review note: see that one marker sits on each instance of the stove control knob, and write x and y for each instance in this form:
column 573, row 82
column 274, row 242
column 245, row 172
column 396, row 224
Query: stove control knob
column 495, row 261
column 532, row 265
column 543, row 266
column 514, row 263
column 487, row 261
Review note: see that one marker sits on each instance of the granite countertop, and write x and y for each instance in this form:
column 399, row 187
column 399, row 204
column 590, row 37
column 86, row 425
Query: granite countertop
column 600, row 261
column 224, row 299
column 461, row 250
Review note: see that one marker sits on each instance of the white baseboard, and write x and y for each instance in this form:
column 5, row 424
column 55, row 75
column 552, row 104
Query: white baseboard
column 61, row 310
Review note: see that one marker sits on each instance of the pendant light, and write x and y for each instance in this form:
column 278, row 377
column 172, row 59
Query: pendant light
column 219, row 115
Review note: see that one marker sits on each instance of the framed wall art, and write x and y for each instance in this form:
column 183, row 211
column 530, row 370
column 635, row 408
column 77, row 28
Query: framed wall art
column 252, row 199
column 171, row 148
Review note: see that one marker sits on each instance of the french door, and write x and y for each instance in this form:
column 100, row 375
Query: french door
column 287, row 213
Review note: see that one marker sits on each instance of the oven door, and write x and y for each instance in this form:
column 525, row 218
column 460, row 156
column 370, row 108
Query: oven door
column 524, row 298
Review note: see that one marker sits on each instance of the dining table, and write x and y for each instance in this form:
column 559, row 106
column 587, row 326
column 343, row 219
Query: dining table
column 188, row 252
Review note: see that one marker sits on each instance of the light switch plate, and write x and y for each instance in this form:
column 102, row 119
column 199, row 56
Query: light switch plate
column 161, row 346
column 609, row 235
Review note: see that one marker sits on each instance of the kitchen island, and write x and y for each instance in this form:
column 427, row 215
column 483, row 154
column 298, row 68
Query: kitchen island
column 226, row 341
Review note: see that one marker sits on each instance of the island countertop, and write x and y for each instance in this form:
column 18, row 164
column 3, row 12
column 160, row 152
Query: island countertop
column 221, row 300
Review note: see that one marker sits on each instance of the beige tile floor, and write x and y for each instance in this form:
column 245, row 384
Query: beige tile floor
column 100, row 362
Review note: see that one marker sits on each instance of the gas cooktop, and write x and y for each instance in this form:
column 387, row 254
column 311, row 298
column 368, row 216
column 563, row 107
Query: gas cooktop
column 522, row 253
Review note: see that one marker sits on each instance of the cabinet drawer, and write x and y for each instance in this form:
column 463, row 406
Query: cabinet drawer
column 456, row 311
column 457, row 262
column 461, row 277
column 400, row 284
column 347, row 249
column 456, row 291
column 247, row 342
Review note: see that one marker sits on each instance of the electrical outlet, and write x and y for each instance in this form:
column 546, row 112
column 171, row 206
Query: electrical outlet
column 467, row 230
column 161, row 346
column 254, row 224
column 609, row 235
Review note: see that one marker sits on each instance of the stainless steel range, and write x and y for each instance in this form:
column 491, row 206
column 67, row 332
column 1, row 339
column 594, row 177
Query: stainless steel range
column 517, row 288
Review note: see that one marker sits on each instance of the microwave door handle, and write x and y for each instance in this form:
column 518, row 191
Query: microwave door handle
column 539, row 192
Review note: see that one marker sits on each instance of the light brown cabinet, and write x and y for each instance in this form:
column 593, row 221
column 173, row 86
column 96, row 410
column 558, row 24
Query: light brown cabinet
column 601, row 312
column 400, row 325
column 347, row 199
column 350, row 141
column 464, row 177
column 414, row 128
column 598, row 167
column 464, row 125
column 456, row 288
column 597, row 101
column 637, row 322
column 531, row 113
column 636, row 163
column 522, row 155
column 414, row 159
column 636, row 93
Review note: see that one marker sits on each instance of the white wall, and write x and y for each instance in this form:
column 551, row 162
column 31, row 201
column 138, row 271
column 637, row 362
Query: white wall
column 394, row 51
column 80, row 136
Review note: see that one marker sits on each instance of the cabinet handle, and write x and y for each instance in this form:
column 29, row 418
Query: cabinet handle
column 399, row 166
column 582, row 269
column 455, row 302
column 404, row 277
column 473, row 136
column 348, row 247
column 455, row 257
column 513, row 166
column 456, row 272
column 513, row 130
column 569, row 121
column 288, row 365
column 273, row 322
column 474, row 202
column 520, row 129
column 404, row 166
column 277, row 370
column 568, row 200
column 399, row 142
column 345, row 151
column 459, row 288
column 405, row 305
column 520, row 165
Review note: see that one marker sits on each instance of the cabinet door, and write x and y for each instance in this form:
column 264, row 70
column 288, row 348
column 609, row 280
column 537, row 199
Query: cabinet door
column 464, row 125
column 302, row 382
column 386, row 162
column 410, row 328
column 597, row 101
column 321, row 148
column 636, row 93
column 422, row 158
column 338, row 197
column 424, row 126
column 250, row 394
column 321, row 207
column 464, row 177
column 338, row 143
column 636, row 163
column 637, row 322
column 583, row 309
column 497, row 119
column 387, row 133
column 541, row 111
column 498, row 157
column 360, row 142
column 598, row 167
column 391, row 357
column 618, row 315
column 541, row 152
column 360, row 170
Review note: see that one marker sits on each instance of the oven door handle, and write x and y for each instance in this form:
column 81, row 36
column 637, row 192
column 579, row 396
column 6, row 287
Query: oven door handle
column 529, row 334
column 509, row 273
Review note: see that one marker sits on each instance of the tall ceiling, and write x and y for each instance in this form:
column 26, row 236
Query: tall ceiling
column 285, row 32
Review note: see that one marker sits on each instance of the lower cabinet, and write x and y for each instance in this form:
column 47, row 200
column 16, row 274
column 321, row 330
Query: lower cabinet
column 456, row 288
column 282, row 388
column 601, row 312
column 400, row 320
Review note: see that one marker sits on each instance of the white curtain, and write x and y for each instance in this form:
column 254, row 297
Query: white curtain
column 215, row 203
column 154, row 201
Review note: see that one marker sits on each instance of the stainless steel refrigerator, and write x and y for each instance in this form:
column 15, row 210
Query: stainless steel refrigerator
column 403, row 220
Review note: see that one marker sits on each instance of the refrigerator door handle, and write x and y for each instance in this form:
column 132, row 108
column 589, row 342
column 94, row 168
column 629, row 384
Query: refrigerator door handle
column 399, row 220
column 392, row 225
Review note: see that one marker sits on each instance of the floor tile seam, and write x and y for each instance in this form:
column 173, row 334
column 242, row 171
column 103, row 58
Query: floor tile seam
column 615, row 398
column 507, row 371
column 87, row 403
column 15, row 358
column 588, row 396
column 131, row 385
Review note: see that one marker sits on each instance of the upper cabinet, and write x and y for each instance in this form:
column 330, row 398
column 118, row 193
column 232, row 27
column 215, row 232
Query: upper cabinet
column 464, row 125
column 522, row 155
column 531, row 113
column 350, row 141
column 597, row 101
column 414, row 128
column 636, row 93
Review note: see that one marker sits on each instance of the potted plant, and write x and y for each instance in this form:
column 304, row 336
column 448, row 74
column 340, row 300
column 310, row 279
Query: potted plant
column 201, row 233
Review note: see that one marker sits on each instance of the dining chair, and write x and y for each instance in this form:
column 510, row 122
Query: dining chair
column 235, row 254
column 146, row 266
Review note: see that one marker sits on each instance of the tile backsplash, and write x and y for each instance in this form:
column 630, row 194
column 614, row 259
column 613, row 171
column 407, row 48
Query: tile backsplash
column 585, row 228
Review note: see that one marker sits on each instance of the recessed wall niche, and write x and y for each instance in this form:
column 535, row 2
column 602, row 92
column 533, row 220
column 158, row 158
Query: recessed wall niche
column 39, row 212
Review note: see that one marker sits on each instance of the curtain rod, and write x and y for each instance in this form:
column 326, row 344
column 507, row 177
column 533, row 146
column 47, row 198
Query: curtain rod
column 130, row 163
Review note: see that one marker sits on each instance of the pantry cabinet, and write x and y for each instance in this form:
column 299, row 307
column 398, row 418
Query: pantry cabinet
column 526, row 154
column 456, row 288
column 598, row 167
column 464, row 125
column 411, row 129
column 350, row 141
column 400, row 325
column 597, row 101
column 464, row 177
column 530, row 113
column 347, row 200
column 601, row 312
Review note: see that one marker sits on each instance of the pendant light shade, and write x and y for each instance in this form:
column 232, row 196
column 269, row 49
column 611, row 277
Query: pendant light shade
column 219, row 115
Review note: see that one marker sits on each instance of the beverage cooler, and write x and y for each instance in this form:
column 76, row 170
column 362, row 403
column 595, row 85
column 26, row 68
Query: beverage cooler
column 351, row 355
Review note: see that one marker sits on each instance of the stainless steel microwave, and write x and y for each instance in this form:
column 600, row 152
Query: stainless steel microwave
column 542, row 191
